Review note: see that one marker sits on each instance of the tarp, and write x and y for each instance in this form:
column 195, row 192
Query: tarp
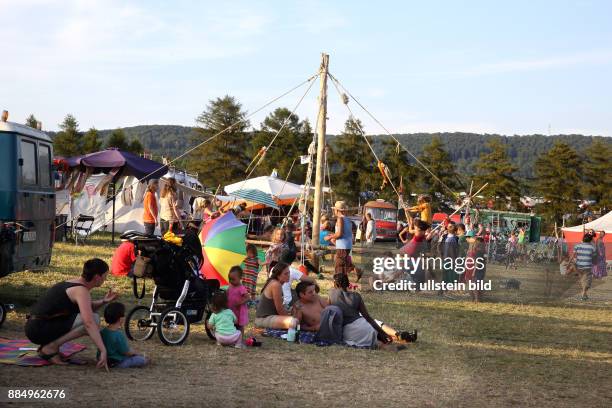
column 130, row 164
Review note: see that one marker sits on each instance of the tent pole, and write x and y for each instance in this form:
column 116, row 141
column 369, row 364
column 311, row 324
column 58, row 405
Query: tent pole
column 114, row 198
column 322, row 121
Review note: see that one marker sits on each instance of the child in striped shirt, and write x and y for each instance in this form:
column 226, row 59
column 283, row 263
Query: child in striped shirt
column 251, row 271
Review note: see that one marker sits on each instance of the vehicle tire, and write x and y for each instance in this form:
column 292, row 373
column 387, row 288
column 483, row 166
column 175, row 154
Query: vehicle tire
column 173, row 327
column 139, row 324
column 3, row 314
column 210, row 334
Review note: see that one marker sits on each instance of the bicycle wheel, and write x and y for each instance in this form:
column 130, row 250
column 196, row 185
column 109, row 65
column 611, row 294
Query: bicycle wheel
column 139, row 324
column 173, row 327
column 208, row 331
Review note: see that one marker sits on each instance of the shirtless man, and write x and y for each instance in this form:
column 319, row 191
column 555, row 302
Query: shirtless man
column 309, row 306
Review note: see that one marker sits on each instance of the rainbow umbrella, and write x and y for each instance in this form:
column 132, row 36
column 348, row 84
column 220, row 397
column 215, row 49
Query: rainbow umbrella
column 223, row 246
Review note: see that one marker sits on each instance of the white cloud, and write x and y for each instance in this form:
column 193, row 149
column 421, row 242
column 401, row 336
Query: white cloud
column 546, row 63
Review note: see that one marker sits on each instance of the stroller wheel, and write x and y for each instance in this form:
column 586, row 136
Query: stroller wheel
column 208, row 331
column 173, row 327
column 2, row 313
column 139, row 324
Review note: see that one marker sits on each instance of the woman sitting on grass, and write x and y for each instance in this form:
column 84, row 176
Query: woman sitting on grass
column 66, row 312
column 359, row 328
column 271, row 313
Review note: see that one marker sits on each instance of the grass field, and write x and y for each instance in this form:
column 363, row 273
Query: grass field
column 530, row 348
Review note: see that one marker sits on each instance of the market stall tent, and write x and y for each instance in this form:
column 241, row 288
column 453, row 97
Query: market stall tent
column 573, row 235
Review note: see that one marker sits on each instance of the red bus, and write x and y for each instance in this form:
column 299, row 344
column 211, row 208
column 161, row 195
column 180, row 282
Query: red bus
column 385, row 215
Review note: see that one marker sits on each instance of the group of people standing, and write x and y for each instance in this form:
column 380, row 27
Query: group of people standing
column 167, row 213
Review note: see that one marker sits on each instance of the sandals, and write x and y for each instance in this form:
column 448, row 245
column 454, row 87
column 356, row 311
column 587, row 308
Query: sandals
column 50, row 356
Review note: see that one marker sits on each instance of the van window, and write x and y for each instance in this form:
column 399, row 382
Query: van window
column 28, row 169
column 44, row 161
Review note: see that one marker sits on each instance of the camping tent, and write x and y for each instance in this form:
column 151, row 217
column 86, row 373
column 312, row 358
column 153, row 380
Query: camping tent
column 573, row 235
column 129, row 205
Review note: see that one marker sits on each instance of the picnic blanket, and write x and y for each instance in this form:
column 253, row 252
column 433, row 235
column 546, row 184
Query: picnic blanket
column 23, row 353
column 307, row 337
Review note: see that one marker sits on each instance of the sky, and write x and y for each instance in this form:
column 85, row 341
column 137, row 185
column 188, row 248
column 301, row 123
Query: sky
column 519, row 67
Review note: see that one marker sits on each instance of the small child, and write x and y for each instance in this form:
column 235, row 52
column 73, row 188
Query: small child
column 222, row 322
column 251, row 271
column 117, row 348
column 237, row 297
column 476, row 273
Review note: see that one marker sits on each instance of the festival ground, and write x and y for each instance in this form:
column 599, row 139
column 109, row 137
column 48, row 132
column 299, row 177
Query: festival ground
column 528, row 348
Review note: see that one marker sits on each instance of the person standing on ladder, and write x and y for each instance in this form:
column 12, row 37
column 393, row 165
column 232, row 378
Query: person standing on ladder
column 343, row 239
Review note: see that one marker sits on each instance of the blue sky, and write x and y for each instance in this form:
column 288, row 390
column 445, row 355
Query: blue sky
column 504, row 67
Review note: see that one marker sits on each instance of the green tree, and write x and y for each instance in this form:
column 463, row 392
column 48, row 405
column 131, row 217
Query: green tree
column 354, row 167
column 291, row 142
column 31, row 121
column 396, row 158
column 118, row 140
column 598, row 174
column 136, row 147
column 91, row 141
column 558, row 181
column 68, row 142
column 224, row 159
column 495, row 168
column 438, row 161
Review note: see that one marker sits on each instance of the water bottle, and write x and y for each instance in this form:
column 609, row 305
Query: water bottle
column 297, row 334
column 291, row 335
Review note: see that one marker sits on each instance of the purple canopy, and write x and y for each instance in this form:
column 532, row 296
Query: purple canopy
column 131, row 164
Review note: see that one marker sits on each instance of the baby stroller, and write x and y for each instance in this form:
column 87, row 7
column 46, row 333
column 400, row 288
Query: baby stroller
column 180, row 296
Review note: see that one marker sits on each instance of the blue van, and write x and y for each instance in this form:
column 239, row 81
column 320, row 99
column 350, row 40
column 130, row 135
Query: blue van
column 27, row 197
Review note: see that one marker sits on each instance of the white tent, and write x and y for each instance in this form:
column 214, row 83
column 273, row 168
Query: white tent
column 573, row 235
column 128, row 206
column 276, row 187
column 603, row 223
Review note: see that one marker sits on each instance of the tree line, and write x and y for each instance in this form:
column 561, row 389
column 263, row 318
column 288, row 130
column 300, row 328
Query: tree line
column 71, row 141
column 573, row 168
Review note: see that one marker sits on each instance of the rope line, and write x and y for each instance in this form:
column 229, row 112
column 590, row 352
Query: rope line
column 370, row 146
column 188, row 151
column 336, row 81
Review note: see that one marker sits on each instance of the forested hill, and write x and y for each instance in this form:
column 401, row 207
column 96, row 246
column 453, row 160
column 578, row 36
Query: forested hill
column 464, row 148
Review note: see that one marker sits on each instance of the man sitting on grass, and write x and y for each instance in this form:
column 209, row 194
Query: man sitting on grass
column 311, row 310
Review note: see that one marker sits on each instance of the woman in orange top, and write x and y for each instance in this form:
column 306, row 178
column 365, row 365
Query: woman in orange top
column 149, row 217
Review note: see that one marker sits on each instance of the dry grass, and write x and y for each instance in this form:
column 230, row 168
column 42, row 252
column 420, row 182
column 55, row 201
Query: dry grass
column 532, row 348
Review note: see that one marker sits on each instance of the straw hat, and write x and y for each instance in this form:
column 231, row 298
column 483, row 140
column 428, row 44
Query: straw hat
column 340, row 206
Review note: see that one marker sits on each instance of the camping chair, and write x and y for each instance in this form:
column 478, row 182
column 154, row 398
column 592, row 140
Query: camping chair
column 81, row 228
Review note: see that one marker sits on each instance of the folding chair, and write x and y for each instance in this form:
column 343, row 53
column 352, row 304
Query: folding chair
column 81, row 228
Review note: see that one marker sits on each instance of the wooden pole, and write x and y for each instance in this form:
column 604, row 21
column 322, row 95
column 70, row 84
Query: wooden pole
column 318, row 193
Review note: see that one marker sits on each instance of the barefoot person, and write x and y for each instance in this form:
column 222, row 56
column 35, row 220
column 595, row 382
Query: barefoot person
column 309, row 306
column 310, row 310
column 66, row 312
column 271, row 313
